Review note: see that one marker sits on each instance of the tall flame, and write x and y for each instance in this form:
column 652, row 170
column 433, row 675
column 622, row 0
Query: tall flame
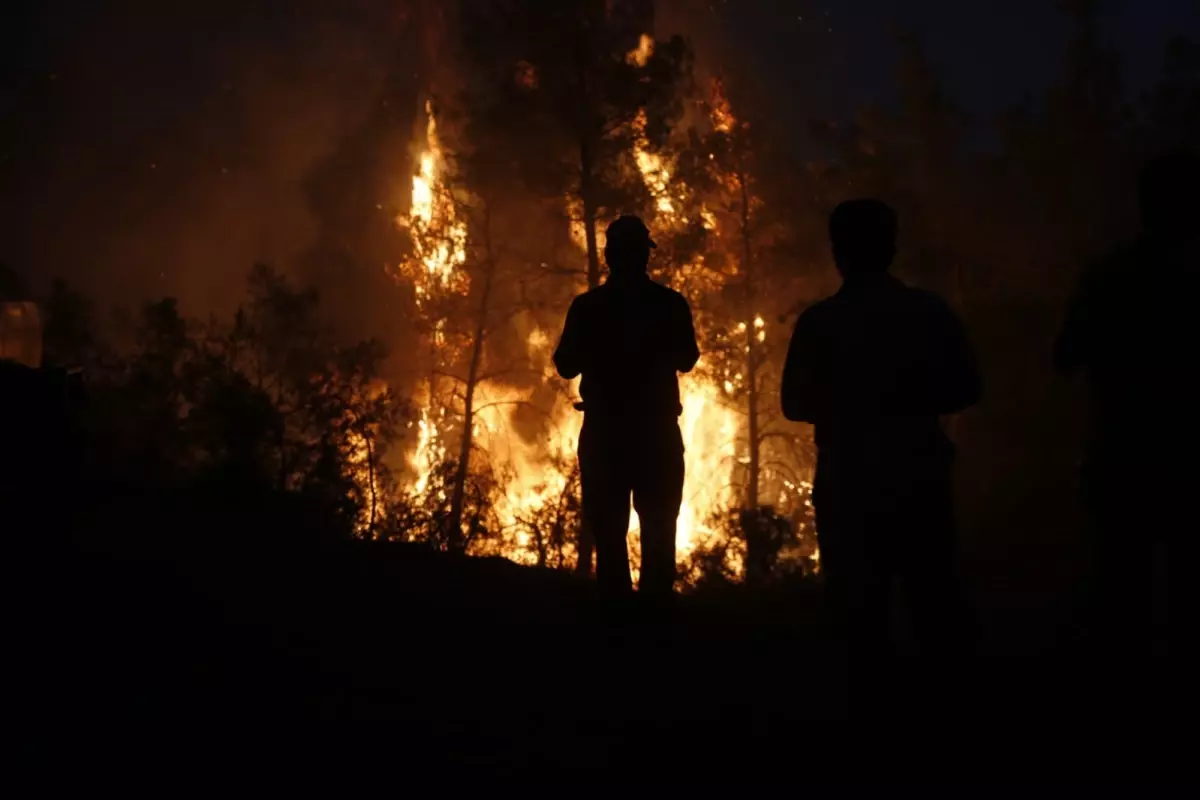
column 440, row 237
column 440, row 249
column 721, row 114
column 710, row 432
column 656, row 173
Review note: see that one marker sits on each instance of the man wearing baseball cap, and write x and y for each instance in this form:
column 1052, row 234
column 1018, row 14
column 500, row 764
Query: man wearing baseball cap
column 629, row 338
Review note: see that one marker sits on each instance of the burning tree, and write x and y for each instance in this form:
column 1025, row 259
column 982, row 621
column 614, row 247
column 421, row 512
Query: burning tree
column 748, row 248
column 488, row 457
column 565, row 88
column 555, row 130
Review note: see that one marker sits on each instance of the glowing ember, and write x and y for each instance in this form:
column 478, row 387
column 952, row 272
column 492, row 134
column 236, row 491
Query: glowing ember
column 721, row 116
column 640, row 55
column 655, row 172
column 578, row 229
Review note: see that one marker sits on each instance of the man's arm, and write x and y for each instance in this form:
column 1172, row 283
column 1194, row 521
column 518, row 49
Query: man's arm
column 805, row 392
column 1072, row 346
column 687, row 352
column 960, row 384
column 570, row 357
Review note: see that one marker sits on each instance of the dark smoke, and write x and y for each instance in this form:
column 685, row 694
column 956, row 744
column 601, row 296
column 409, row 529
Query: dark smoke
column 157, row 149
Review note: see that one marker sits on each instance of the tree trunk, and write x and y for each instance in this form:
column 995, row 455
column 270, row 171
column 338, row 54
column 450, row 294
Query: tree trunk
column 454, row 533
column 754, row 559
column 752, row 480
column 371, row 484
column 754, row 439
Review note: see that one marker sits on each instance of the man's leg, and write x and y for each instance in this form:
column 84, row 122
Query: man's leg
column 1180, row 554
column 857, row 585
column 605, row 490
column 657, row 495
column 1122, row 563
column 923, row 536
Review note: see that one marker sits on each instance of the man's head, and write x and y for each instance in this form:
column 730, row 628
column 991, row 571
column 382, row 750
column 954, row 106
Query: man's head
column 627, row 246
column 1170, row 186
column 863, row 234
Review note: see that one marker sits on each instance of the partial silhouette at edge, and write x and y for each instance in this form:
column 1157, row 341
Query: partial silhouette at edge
column 1130, row 329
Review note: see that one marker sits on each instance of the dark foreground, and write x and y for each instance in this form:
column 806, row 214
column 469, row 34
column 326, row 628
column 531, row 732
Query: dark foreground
column 199, row 657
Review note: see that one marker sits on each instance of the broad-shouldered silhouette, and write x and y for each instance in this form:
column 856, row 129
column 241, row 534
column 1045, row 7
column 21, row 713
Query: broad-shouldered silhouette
column 1131, row 328
column 873, row 368
column 629, row 338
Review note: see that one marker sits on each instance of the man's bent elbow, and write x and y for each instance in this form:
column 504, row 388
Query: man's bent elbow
column 968, row 396
column 795, row 411
column 688, row 362
column 566, row 366
column 1066, row 358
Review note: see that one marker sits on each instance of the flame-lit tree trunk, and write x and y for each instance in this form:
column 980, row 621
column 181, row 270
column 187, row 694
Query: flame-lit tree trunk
column 588, row 195
column 585, row 545
column 747, row 235
column 454, row 534
column 756, row 562
column 752, row 478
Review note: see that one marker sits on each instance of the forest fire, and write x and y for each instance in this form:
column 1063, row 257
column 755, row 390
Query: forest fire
column 710, row 429
column 526, row 485
column 287, row 446
column 495, row 453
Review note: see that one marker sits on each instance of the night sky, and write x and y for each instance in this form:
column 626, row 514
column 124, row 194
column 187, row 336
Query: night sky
column 162, row 147
column 829, row 58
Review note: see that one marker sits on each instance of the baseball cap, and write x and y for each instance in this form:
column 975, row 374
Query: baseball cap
column 628, row 229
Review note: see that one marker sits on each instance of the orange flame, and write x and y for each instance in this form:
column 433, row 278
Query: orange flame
column 640, row 55
column 439, row 237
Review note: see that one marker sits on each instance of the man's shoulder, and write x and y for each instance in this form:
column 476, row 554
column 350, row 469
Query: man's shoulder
column 894, row 297
column 607, row 294
column 592, row 297
column 1124, row 266
column 1109, row 277
column 665, row 293
column 664, row 297
column 820, row 310
column 926, row 301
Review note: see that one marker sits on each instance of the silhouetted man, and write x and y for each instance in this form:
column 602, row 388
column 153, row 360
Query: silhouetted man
column 1131, row 328
column 873, row 368
column 629, row 338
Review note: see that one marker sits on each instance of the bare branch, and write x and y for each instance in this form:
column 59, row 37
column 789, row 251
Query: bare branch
column 448, row 375
column 544, row 269
column 787, row 437
column 521, row 403
column 501, row 373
